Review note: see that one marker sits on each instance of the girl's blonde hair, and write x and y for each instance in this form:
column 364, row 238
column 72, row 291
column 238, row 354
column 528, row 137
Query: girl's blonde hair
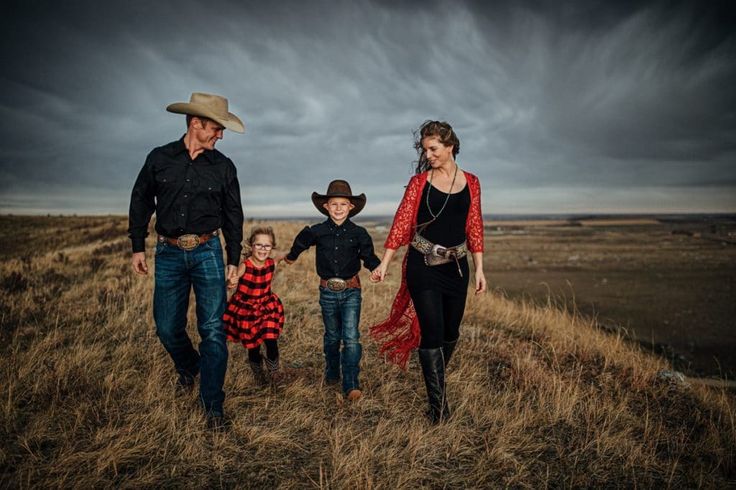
column 258, row 230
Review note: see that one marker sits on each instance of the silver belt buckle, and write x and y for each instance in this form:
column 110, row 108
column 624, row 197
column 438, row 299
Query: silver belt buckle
column 336, row 284
column 188, row 242
column 439, row 251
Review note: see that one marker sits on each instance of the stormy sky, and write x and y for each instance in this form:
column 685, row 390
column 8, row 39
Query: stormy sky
column 561, row 107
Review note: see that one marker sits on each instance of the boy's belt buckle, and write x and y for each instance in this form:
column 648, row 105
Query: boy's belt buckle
column 188, row 242
column 336, row 284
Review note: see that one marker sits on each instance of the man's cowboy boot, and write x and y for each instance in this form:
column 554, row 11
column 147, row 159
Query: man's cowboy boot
column 447, row 349
column 274, row 370
column 258, row 373
column 433, row 370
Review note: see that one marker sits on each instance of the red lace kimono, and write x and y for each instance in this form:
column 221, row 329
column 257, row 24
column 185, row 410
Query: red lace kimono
column 399, row 334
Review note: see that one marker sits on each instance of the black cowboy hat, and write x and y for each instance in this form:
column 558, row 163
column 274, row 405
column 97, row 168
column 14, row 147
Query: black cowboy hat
column 339, row 188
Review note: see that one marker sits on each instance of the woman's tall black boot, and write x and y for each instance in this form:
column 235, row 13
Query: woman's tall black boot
column 433, row 369
column 447, row 349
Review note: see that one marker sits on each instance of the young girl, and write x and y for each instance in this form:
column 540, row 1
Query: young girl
column 254, row 314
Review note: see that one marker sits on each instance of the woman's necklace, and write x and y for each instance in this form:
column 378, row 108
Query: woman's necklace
column 434, row 216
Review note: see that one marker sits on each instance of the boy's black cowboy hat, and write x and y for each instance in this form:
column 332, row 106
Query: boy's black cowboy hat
column 339, row 188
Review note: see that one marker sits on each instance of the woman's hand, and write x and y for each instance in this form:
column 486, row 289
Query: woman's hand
column 480, row 278
column 480, row 282
column 379, row 273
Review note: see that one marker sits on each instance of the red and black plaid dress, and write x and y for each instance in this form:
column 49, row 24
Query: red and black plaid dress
column 254, row 313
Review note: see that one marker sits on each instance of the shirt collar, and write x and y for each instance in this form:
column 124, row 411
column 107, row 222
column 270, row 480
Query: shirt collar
column 180, row 147
column 346, row 225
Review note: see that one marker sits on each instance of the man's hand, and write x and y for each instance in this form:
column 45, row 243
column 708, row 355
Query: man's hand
column 281, row 257
column 231, row 275
column 138, row 261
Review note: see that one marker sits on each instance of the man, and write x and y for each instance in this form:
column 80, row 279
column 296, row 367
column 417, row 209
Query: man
column 194, row 191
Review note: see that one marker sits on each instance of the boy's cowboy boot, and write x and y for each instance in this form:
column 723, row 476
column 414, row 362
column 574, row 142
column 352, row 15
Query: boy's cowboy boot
column 447, row 349
column 433, row 370
column 258, row 373
column 274, row 370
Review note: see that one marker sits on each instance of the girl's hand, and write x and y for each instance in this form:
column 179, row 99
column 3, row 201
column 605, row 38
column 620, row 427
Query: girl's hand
column 232, row 282
column 280, row 257
column 480, row 282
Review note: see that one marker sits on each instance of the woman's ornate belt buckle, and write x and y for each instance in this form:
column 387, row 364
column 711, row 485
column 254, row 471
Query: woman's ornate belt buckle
column 188, row 242
column 336, row 284
column 439, row 251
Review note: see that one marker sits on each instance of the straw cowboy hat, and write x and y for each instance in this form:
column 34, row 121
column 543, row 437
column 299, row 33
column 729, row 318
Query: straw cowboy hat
column 211, row 106
column 339, row 188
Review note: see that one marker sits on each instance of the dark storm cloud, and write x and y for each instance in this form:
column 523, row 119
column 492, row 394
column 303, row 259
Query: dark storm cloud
column 602, row 105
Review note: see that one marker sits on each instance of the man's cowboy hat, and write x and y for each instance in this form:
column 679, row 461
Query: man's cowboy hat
column 338, row 188
column 211, row 106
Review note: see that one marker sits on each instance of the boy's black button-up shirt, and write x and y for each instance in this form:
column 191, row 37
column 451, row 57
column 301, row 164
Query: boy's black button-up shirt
column 339, row 248
column 188, row 196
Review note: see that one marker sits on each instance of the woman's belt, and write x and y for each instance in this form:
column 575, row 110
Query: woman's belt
column 437, row 254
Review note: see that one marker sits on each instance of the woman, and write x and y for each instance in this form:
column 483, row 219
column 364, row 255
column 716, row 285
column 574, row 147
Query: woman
column 440, row 219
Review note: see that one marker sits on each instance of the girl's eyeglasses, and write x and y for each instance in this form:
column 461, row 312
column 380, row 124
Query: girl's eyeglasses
column 262, row 246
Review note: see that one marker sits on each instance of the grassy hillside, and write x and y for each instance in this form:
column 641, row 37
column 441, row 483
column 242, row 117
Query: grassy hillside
column 540, row 397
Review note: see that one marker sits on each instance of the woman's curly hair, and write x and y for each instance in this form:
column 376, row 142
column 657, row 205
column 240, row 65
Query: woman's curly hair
column 443, row 132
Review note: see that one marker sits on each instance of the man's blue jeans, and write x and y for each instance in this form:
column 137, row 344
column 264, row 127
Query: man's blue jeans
column 341, row 316
column 177, row 271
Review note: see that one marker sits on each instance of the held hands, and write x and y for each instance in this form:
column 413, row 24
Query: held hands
column 379, row 273
column 232, row 276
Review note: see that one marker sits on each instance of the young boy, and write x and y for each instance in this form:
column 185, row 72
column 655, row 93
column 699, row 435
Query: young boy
column 341, row 245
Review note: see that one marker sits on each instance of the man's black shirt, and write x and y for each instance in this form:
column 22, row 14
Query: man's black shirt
column 339, row 248
column 188, row 196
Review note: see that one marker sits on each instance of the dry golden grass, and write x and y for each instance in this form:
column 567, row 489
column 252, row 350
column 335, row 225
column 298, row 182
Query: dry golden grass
column 540, row 397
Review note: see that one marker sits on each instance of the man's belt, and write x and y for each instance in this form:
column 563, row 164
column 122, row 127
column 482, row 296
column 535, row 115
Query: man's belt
column 337, row 284
column 188, row 242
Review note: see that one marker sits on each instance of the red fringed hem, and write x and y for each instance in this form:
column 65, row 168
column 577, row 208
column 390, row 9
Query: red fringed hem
column 399, row 334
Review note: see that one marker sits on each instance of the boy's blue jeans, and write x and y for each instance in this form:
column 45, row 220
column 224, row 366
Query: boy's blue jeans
column 177, row 271
column 341, row 316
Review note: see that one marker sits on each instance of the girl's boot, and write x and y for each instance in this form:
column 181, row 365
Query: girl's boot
column 274, row 370
column 259, row 375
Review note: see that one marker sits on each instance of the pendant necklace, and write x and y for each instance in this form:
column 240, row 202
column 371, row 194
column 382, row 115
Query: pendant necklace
column 434, row 216
column 422, row 226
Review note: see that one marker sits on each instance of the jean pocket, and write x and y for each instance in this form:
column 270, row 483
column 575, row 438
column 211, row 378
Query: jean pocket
column 212, row 244
column 160, row 247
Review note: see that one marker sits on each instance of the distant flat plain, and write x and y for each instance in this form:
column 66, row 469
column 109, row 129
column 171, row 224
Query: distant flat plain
column 668, row 283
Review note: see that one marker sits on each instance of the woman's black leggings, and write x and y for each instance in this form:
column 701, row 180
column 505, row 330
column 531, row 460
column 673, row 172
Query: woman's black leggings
column 272, row 351
column 439, row 317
